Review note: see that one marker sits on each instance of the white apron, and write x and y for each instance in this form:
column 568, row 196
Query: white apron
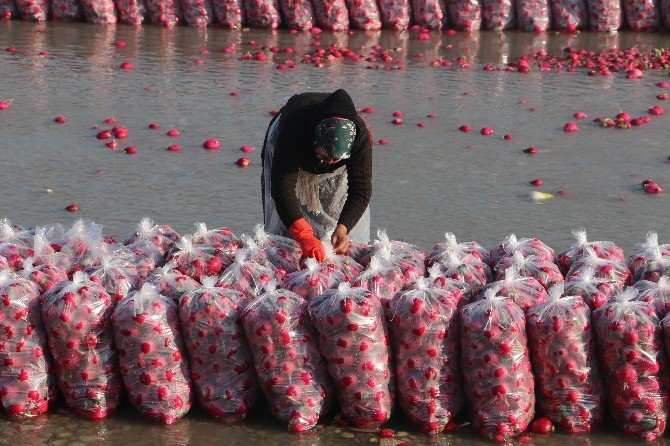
column 322, row 197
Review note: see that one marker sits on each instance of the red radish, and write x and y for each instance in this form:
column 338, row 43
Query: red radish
column 198, row 61
column 110, row 121
column 508, row 137
column 172, row 133
column 368, row 110
column 366, row 399
column 630, row 346
column 120, row 44
column 397, row 114
column 530, row 150
column 464, row 268
column 421, row 124
column 663, row 84
column 234, row 93
column 424, row 328
column 60, row 120
column 197, row 261
column 120, row 132
column 174, row 148
column 397, row 121
column 656, row 110
column 104, row 134
column 10, row 49
column 130, row 150
column 612, row 270
column 386, row 433
column 4, row 105
column 431, row 116
column 570, row 127
column 394, row 257
column 273, row 251
column 486, row 131
column 243, row 162
column 74, row 207
column 152, row 355
column 154, row 126
column 77, row 318
column 44, row 53
column 541, row 426
column 602, row 249
column 111, row 144
column 27, row 387
column 313, row 280
column 536, row 182
column 579, row 115
column 247, row 149
column 382, row 142
column 290, row 369
column 211, row 144
column 221, row 362
column 465, row 128
column 126, row 66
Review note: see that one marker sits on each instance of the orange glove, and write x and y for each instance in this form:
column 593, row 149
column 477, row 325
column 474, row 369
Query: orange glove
column 303, row 233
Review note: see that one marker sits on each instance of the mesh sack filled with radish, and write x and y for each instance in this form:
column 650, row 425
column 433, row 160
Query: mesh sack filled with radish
column 247, row 277
column 364, row 14
column 170, row 282
column 354, row 340
column 468, row 270
column 498, row 14
column 313, row 280
column 605, row 15
column 642, row 15
column 630, row 348
column 526, row 246
column 641, row 256
column 131, row 12
column 533, row 15
column 26, row 385
column 66, row 10
column 656, row 293
column 229, row 13
column 570, row 15
column 263, row 13
column 383, row 279
column 45, row 276
column 601, row 249
column 595, row 292
column 544, row 271
column 164, row 12
column 154, row 367
column 460, row 291
column 441, row 250
column 524, row 291
column 410, row 259
column 297, row 14
column 284, row 344
column 656, row 266
column 466, row 15
column 99, row 12
column 162, row 236
column 395, row 14
column 33, row 10
column 431, row 14
column 603, row 268
column 424, row 329
column 494, row 349
column 8, row 10
column 564, row 357
column 331, row 15
column 197, row 12
column 221, row 362
column 115, row 275
column 195, row 261
column 77, row 319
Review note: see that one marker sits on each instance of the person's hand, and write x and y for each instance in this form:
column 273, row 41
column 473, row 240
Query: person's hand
column 303, row 233
column 340, row 239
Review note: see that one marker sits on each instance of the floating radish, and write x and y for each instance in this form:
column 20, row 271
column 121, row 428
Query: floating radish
column 395, row 14
column 263, row 13
column 198, row 12
column 602, row 249
column 246, row 277
column 465, row 14
column 221, row 362
column 77, row 318
column 151, row 351
column 525, row 291
column 630, row 346
column 26, row 384
column 229, row 13
column 533, row 15
column 424, row 328
column 499, row 384
column 544, row 271
column 563, row 352
column 131, row 12
column 354, row 340
column 331, row 15
column 290, row 369
column 440, row 250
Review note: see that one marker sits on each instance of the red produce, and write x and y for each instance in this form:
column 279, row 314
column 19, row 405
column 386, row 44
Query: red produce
column 77, row 318
column 290, row 369
column 8, row 9
column 82, row 244
column 312, row 281
column 602, row 249
column 440, row 250
column 499, row 384
column 170, row 282
column 544, row 271
column 656, row 293
column 410, row 259
column 354, row 340
column 527, row 247
column 143, row 255
column 468, row 270
column 563, row 353
column 26, row 385
column 336, row 264
column 460, row 291
column 221, row 362
column 630, row 347
column 424, row 328
column 163, row 236
column 279, row 259
column 542, row 426
column 223, row 240
column 524, row 291
column 359, row 251
column 247, row 277
column 382, row 279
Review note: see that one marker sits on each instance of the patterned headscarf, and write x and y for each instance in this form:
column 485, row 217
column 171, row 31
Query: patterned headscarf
column 334, row 138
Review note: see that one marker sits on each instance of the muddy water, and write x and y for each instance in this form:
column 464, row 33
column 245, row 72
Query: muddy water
column 426, row 180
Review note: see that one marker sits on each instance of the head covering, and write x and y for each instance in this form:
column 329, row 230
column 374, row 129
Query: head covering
column 334, row 137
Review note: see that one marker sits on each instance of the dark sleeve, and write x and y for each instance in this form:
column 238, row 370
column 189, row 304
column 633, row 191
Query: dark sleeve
column 284, row 177
column 359, row 189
